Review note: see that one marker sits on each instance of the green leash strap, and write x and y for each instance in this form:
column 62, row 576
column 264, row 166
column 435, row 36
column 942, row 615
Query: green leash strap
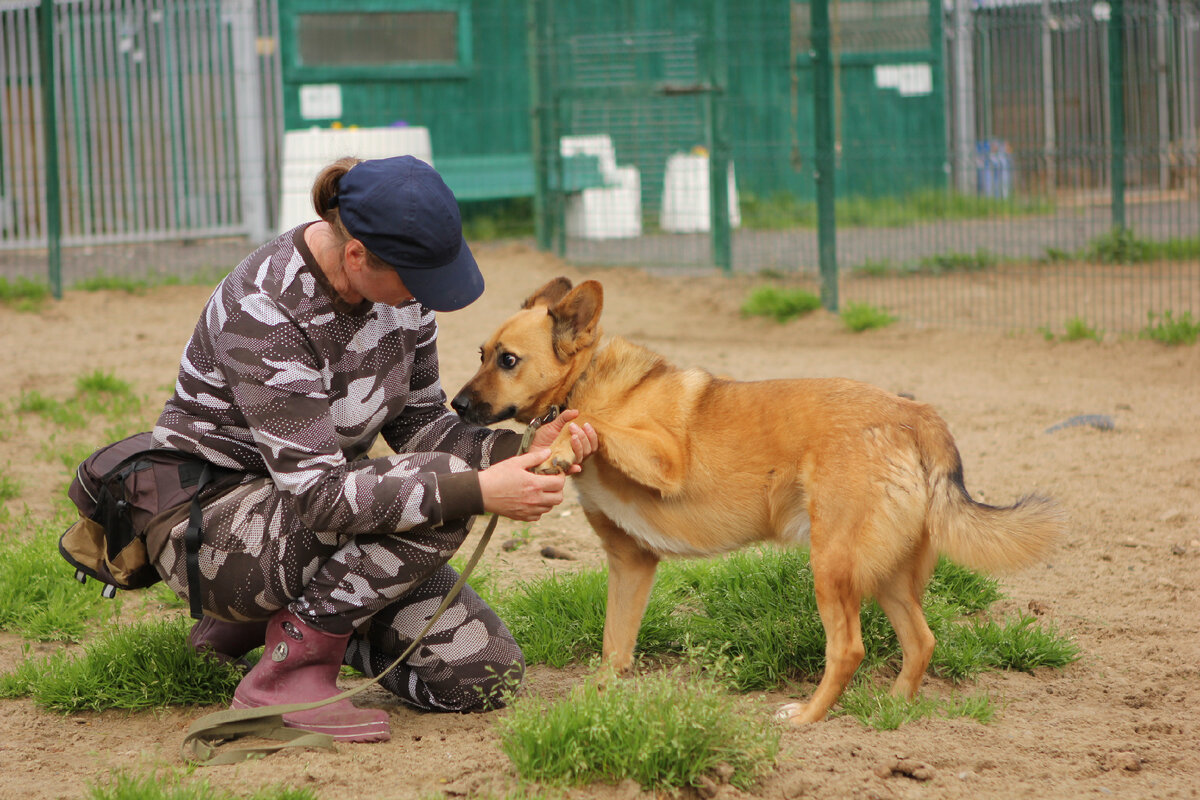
column 202, row 744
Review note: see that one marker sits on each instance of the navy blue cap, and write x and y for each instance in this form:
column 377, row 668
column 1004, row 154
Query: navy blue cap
column 403, row 212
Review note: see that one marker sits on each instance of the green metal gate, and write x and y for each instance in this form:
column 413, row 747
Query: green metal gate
column 643, row 86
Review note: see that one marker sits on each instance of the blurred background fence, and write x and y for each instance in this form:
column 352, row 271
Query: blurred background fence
column 1004, row 162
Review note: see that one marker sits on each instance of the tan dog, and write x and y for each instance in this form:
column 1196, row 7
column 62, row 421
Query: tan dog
column 692, row 465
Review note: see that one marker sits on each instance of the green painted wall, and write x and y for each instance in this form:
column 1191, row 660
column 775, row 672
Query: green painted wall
column 889, row 142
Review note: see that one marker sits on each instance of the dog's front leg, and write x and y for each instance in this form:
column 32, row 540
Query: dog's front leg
column 631, row 570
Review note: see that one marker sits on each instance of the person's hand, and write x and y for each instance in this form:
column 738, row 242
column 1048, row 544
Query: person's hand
column 511, row 490
column 583, row 437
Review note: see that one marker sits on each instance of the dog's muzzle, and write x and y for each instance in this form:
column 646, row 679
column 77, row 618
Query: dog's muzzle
column 478, row 413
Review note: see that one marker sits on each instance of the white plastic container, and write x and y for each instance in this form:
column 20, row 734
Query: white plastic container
column 307, row 152
column 685, row 195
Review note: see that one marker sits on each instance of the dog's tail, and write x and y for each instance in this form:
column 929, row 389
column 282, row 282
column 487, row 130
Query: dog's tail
column 974, row 534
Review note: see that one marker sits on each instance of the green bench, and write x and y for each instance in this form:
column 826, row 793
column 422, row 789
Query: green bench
column 497, row 177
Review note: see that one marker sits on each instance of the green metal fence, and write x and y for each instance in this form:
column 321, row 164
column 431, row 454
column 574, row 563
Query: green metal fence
column 1015, row 164
column 1012, row 163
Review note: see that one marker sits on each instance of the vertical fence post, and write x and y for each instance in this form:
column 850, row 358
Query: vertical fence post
column 718, row 156
column 1050, row 144
column 1116, row 107
column 822, row 56
column 53, row 221
column 539, row 120
column 963, row 57
column 252, row 157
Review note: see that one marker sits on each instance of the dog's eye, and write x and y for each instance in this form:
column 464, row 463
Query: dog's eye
column 507, row 360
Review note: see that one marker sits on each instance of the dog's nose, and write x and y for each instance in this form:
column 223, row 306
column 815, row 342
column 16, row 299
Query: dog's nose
column 461, row 403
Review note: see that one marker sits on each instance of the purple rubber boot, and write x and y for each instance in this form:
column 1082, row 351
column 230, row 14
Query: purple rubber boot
column 300, row 664
column 225, row 641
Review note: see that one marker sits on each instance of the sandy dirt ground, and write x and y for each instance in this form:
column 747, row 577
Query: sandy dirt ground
column 1124, row 721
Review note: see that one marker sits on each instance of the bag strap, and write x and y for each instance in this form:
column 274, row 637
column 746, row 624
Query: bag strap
column 206, row 734
column 191, row 544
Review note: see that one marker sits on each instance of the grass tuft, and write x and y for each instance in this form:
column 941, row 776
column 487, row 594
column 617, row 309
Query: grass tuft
column 780, row 305
column 122, row 785
column 1077, row 329
column 860, row 317
column 751, row 617
column 146, row 665
column 937, row 264
column 1172, row 331
column 877, row 709
column 784, row 210
column 38, row 597
column 23, row 294
column 663, row 730
column 560, row 619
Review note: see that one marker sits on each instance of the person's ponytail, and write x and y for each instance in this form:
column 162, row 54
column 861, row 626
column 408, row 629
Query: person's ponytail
column 325, row 189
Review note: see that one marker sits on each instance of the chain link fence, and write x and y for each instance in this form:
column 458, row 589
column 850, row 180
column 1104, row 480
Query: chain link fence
column 1008, row 163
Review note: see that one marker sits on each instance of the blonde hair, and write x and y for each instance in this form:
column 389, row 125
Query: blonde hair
column 324, row 191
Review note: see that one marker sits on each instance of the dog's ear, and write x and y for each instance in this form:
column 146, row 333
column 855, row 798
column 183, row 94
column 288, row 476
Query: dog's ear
column 549, row 294
column 577, row 318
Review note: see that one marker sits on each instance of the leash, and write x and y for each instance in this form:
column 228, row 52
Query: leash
column 201, row 745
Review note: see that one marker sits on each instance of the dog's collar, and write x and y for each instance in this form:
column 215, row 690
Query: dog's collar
column 536, row 423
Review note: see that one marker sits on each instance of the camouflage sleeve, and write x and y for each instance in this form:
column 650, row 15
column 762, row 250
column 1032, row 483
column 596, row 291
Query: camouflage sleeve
column 275, row 379
column 426, row 425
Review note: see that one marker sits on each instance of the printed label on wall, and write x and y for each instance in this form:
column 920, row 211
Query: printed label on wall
column 321, row 101
column 909, row 79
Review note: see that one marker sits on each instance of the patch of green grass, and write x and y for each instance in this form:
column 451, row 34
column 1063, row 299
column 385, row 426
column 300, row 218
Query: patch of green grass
column 1018, row 644
column 1118, row 246
column 1078, row 329
column 101, row 282
column 10, row 488
column 962, row 591
column 753, row 614
column 39, row 598
column 1168, row 329
column 860, row 317
column 779, row 211
column 97, row 393
column 1123, row 246
column 937, row 264
column 124, row 785
column 877, row 709
column 23, row 294
column 560, row 619
column 957, row 262
column 146, row 665
column 100, row 381
column 783, row 210
column 664, row 730
column 780, row 305
column 877, row 268
column 65, row 415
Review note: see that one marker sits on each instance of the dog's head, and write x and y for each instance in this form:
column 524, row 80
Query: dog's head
column 536, row 356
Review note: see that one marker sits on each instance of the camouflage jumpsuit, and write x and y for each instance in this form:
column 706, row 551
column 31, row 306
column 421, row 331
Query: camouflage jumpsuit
column 286, row 382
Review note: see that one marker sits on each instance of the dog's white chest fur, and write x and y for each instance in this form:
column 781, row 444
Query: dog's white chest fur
column 628, row 516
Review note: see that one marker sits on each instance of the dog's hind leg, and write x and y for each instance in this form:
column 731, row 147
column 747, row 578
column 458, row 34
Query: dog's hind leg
column 900, row 598
column 839, row 603
column 631, row 570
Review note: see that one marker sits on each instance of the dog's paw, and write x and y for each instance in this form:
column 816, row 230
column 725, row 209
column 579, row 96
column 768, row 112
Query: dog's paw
column 560, row 461
column 550, row 466
column 795, row 714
